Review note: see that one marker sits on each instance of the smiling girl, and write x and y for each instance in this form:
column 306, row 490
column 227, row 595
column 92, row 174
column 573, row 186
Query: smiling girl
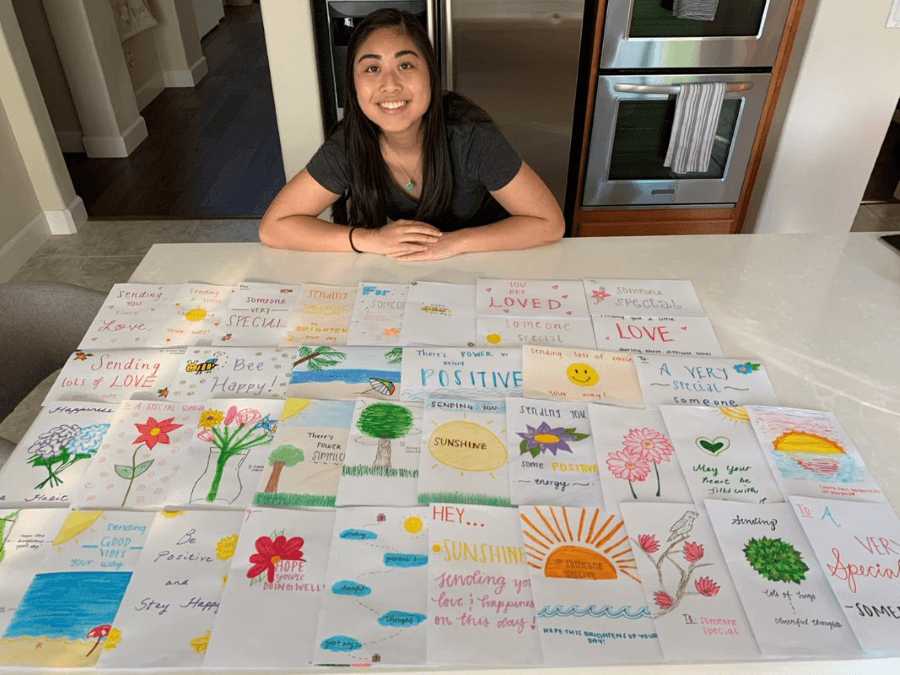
column 427, row 175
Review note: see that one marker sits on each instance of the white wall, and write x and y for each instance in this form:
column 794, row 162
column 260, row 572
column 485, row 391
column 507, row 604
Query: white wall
column 208, row 13
column 839, row 95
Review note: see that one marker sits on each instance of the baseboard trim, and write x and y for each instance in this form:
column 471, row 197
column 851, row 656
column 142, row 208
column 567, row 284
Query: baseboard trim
column 70, row 141
column 189, row 77
column 67, row 220
column 117, row 146
column 149, row 91
column 24, row 244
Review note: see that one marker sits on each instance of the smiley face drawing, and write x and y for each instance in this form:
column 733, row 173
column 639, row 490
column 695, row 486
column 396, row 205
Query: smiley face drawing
column 582, row 374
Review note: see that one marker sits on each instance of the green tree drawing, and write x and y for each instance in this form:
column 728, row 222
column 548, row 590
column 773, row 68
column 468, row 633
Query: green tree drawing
column 385, row 421
column 394, row 356
column 775, row 560
column 319, row 358
column 280, row 457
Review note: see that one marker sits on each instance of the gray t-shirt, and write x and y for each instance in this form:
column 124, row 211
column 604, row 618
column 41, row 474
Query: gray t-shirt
column 483, row 161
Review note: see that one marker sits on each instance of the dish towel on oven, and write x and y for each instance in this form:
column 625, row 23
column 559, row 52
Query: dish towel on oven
column 699, row 10
column 697, row 112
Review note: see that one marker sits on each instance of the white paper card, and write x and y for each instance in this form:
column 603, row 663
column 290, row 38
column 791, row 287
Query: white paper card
column 276, row 578
column 553, row 459
column 811, row 455
column 695, row 606
column 232, row 372
column 790, row 607
column 259, row 315
column 439, row 314
column 496, row 331
column 586, row 375
column 690, row 380
column 381, row 464
column 587, row 593
column 530, row 297
column 676, row 336
column 323, row 315
column 375, row 600
column 719, row 454
column 636, row 458
column 474, row 373
column 345, row 372
column 132, row 315
column 377, row 317
column 642, row 297
column 480, row 607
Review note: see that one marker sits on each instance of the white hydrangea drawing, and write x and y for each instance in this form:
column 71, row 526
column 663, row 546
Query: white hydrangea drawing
column 60, row 447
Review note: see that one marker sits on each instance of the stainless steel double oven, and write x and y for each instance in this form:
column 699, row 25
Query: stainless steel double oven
column 648, row 52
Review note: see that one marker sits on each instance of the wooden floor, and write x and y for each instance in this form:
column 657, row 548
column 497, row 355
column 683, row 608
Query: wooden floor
column 213, row 150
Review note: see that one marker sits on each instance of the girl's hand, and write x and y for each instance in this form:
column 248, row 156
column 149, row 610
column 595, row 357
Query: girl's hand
column 397, row 239
column 449, row 245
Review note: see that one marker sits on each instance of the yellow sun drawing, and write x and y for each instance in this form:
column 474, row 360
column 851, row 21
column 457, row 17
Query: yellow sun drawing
column 226, row 547
column 75, row 523
column 737, row 414
column 196, row 314
column 803, row 441
column 413, row 524
column 294, row 406
column 577, row 543
column 493, row 338
column 171, row 514
column 200, row 643
column 467, row 446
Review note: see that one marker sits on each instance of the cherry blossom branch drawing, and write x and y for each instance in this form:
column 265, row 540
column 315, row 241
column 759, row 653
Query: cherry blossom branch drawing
column 685, row 556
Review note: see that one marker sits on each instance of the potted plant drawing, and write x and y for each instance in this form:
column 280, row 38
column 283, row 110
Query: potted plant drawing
column 282, row 456
column 544, row 438
column 642, row 448
column 232, row 434
column 153, row 432
column 385, row 422
column 58, row 448
column 683, row 556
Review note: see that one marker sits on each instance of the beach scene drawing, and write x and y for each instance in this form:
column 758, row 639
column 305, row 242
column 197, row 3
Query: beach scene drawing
column 326, row 372
column 63, row 619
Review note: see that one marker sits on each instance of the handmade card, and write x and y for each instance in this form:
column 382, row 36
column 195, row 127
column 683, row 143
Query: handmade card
column 25, row 536
column 474, row 373
column 811, row 454
column 719, row 454
column 464, row 455
column 695, row 606
column 273, row 592
column 231, row 441
column 259, row 315
column 439, row 314
column 140, row 456
column 377, row 317
column 791, row 609
column 304, row 466
column 642, row 297
column 858, row 546
column 375, row 600
column 497, row 331
column 381, row 465
column 690, row 380
column 346, row 372
column 677, row 336
column 480, row 607
column 587, row 593
column 553, row 459
column 196, row 314
column 636, row 459
column 580, row 375
column 166, row 616
column 110, row 376
column 47, row 465
column 323, row 315
column 530, row 297
column 232, row 372
column 133, row 315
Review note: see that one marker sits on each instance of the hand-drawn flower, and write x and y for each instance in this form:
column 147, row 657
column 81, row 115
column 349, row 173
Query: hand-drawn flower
column 210, row 418
column 113, row 639
column 663, row 600
column 693, row 551
column 267, row 424
column 226, row 546
column 230, row 415
column 391, row 332
column 628, row 466
column 153, row 432
column 706, row 586
column 270, row 552
column 51, row 443
column 545, row 438
column 648, row 543
column 201, row 642
column 88, row 440
column 599, row 295
column 746, row 368
column 98, row 632
column 248, row 416
column 62, row 446
column 650, row 443
column 206, row 435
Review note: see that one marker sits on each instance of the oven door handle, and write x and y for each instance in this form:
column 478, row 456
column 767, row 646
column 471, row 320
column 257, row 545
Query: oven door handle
column 675, row 89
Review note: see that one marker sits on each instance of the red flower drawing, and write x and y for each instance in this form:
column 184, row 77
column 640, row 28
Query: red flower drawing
column 693, row 551
column 270, row 552
column 648, row 543
column 663, row 600
column 153, row 432
column 706, row 586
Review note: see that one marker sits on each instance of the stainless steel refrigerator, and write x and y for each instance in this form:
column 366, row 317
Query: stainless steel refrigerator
column 518, row 59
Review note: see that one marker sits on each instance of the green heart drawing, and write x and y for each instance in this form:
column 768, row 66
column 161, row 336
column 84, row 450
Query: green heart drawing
column 714, row 446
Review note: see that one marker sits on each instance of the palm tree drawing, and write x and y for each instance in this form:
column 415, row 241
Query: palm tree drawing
column 394, row 356
column 319, row 358
column 385, row 421
column 280, row 457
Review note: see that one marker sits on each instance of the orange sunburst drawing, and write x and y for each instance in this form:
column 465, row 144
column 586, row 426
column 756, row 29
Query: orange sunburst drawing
column 577, row 543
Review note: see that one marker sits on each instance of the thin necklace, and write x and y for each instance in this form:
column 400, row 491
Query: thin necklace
column 410, row 183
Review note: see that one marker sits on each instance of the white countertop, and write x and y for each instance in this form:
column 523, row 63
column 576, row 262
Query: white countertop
column 821, row 312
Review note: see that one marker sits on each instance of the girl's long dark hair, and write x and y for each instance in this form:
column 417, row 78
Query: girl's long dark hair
column 369, row 175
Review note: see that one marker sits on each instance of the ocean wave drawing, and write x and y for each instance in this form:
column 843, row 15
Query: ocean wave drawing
column 603, row 612
column 831, row 469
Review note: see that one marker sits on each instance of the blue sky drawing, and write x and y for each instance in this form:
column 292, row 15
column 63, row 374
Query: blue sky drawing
column 337, row 414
